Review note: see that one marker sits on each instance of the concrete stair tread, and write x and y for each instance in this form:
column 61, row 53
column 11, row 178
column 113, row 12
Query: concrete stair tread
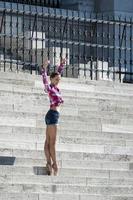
column 65, row 196
column 42, row 100
column 91, row 126
column 78, row 118
column 65, row 172
column 63, row 138
column 39, row 133
column 39, row 117
column 22, row 78
column 86, row 94
column 68, row 189
column 128, row 150
column 66, row 155
column 59, row 180
column 78, row 164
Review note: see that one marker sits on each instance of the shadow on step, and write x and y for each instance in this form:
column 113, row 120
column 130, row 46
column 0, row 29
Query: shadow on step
column 40, row 170
column 5, row 160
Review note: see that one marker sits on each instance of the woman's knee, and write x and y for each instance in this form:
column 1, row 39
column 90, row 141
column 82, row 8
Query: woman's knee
column 52, row 143
column 46, row 145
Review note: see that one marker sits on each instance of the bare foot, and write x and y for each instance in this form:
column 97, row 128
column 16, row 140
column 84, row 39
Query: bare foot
column 49, row 168
column 55, row 168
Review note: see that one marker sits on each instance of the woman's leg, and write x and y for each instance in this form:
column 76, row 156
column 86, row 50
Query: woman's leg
column 52, row 131
column 46, row 150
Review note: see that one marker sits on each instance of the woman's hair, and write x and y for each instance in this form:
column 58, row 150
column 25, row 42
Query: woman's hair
column 53, row 74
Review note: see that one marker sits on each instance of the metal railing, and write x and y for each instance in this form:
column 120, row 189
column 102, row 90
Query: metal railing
column 96, row 46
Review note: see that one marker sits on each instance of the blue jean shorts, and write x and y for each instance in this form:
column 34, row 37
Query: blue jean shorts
column 52, row 117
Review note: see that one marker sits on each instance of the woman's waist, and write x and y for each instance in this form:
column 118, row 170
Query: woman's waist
column 56, row 108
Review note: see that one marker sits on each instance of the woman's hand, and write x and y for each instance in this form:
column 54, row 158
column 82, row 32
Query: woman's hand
column 63, row 61
column 45, row 64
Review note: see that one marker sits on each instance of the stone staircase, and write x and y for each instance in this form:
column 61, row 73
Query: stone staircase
column 94, row 142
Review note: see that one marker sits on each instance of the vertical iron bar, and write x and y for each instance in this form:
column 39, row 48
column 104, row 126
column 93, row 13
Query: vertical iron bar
column 4, row 34
column 91, row 55
column 31, row 36
column 17, row 36
column 125, row 51
column 23, row 27
column 131, row 50
column 60, row 34
column 120, row 49
column 1, row 34
column 79, row 29
column 108, row 50
column 42, row 30
column 72, row 31
column 54, row 29
column 1, row 37
column 36, row 41
column 2, row 21
column 97, row 68
column 63, row 34
column 84, row 44
column 67, row 24
column 114, row 48
column 48, row 53
column 102, row 34
column 11, row 36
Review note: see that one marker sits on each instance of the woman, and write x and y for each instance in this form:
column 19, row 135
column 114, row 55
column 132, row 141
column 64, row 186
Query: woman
column 52, row 116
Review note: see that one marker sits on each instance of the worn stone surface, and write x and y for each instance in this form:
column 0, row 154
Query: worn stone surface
column 94, row 141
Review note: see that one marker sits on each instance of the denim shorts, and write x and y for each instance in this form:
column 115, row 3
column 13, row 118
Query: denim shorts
column 52, row 117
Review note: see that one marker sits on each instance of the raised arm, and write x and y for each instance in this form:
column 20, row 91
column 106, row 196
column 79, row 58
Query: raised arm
column 45, row 77
column 61, row 66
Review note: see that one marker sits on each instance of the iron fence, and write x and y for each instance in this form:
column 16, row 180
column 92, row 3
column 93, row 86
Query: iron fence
column 96, row 46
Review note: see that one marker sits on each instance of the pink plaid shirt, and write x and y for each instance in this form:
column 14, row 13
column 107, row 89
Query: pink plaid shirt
column 53, row 91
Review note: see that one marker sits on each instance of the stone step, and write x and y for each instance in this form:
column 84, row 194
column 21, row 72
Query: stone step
column 22, row 196
column 20, row 103
column 33, row 154
column 91, row 126
column 60, row 180
column 110, row 149
column 114, row 118
column 23, row 105
column 117, row 128
column 70, row 93
column 106, row 149
column 32, row 188
column 60, row 147
column 93, row 141
column 45, row 180
column 76, row 164
column 22, row 78
column 63, row 138
column 39, row 133
column 23, row 122
column 66, row 172
column 67, row 113
column 65, row 196
column 103, row 197
column 40, row 99
column 121, row 118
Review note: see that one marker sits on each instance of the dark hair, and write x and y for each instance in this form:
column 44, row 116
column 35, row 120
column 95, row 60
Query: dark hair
column 53, row 74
